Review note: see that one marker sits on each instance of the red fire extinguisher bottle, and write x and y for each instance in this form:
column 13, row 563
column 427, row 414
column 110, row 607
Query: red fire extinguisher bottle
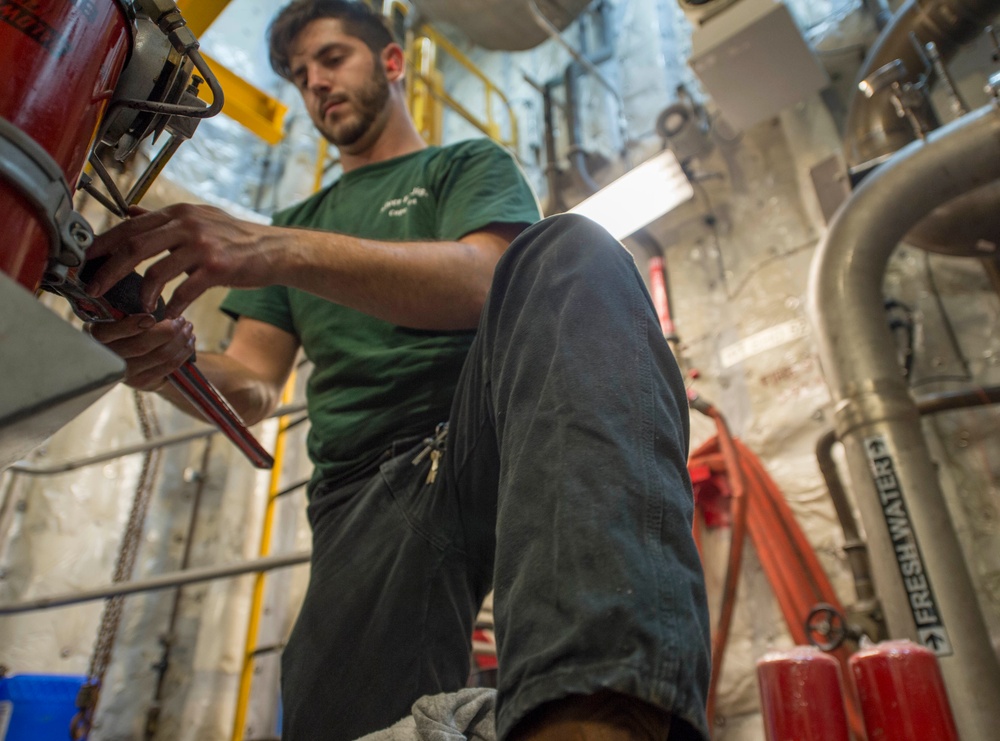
column 61, row 62
column 801, row 696
column 902, row 693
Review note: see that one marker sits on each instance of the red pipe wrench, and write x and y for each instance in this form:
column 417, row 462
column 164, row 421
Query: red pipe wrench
column 120, row 301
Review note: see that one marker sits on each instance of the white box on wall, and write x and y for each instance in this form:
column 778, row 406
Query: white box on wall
column 753, row 60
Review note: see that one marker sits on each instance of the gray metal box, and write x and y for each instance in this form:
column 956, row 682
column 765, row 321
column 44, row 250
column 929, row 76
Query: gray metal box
column 753, row 61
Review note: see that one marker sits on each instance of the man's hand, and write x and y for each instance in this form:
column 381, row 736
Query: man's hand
column 211, row 247
column 151, row 350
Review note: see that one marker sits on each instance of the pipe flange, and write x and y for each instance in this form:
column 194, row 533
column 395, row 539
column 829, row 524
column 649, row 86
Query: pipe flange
column 33, row 172
column 871, row 402
column 993, row 86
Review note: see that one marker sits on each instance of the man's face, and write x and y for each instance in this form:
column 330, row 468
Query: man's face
column 342, row 83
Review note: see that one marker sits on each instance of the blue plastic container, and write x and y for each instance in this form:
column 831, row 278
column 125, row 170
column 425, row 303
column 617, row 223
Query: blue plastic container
column 37, row 707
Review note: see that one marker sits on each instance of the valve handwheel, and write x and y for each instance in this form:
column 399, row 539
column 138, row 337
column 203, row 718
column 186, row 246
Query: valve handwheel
column 826, row 627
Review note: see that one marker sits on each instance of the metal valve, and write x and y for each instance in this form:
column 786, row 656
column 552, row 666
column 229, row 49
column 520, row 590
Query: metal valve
column 910, row 99
column 827, row 628
column 883, row 78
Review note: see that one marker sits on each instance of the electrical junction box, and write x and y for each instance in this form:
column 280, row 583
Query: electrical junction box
column 753, row 60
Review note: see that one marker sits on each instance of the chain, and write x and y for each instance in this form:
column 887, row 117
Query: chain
column 89, row 694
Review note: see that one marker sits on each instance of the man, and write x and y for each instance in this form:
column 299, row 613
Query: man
column 561, row 481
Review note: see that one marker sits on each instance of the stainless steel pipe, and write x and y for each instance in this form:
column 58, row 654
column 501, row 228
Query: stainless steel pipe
column 918, row 566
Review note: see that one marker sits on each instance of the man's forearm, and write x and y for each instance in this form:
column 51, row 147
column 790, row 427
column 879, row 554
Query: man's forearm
column 423, row 285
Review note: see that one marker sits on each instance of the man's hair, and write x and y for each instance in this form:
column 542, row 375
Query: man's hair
column 356, row 17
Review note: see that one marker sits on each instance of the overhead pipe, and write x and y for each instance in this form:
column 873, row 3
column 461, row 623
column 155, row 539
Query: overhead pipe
column 879, row 10
column 576, row 154
column 923, row 574
column 874, row 130
column 554, row 203
column 581, row 59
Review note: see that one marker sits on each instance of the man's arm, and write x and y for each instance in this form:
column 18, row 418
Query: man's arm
column 422, row 285
column 250, row 374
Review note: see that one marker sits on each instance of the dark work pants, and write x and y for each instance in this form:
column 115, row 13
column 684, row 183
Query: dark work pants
column 564, row 487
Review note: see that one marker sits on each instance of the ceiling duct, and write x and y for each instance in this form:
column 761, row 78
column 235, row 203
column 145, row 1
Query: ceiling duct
column 501, row 25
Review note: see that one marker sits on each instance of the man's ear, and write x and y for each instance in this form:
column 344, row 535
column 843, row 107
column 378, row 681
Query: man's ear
column 394, row 62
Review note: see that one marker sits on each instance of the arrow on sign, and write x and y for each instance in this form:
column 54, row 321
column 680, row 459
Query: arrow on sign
column 936, row 640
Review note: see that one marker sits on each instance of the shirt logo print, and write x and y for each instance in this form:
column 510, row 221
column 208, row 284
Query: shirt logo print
column 396, row 207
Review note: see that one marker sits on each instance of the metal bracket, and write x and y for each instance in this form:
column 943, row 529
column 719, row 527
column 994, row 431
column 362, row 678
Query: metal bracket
column 30, row 169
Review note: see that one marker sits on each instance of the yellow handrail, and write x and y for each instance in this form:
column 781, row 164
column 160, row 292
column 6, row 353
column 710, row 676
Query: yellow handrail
column 425, row 73
column 257, row 602
column 322, row 153
column 425, row 92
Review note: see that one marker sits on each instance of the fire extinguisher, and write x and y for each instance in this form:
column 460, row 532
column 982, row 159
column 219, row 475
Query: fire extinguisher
column 802, row 697
column 902, row 692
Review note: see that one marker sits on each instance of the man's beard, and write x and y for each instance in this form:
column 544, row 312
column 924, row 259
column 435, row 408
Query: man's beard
column 368, row 103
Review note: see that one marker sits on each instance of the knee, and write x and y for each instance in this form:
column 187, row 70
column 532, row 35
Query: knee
column 562, row 243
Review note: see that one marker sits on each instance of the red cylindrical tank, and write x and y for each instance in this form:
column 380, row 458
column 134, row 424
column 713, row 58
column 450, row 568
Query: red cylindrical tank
column 61, row 62
column 801, row 696
column 902, row 693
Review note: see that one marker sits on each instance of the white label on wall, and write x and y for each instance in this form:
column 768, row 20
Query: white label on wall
column 768, row 339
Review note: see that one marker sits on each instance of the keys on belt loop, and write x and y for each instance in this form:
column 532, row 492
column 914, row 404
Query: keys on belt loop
column 433, row 447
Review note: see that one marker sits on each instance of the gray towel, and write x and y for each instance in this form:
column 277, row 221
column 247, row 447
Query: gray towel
column 454, row 716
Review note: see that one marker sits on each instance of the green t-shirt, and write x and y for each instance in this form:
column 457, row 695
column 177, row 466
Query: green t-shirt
column 373, row 381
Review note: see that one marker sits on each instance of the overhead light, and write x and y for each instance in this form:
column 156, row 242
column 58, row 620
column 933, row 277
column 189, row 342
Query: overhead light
column 638, row 197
